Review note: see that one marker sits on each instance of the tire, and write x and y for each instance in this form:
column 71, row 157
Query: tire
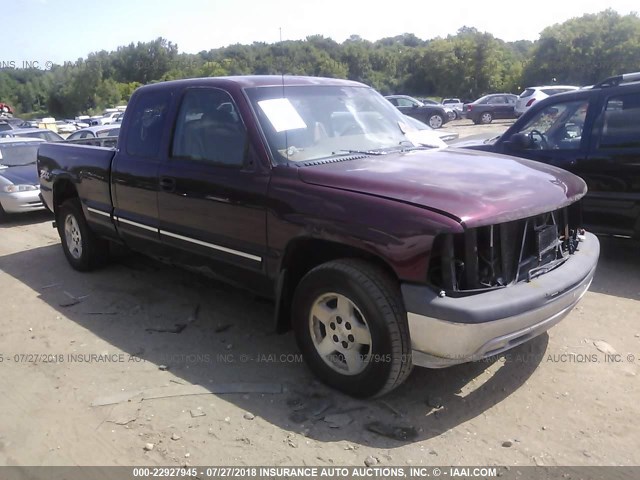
column 435, row 121
column 452, row 115
column 486, row 118
column 3, row 214
column 375, row 330
column 83, row 249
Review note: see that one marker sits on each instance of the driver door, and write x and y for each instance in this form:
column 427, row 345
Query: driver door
column 554, row 135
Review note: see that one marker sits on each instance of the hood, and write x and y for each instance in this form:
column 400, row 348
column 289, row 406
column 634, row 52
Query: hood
column 22, row 175
column 479, row 140
column 475, row 188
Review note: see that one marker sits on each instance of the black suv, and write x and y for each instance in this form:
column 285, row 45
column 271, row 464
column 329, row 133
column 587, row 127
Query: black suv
column 433, row 115
column 595, row 133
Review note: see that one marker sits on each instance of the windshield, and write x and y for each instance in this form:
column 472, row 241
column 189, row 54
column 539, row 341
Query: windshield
column 314, row 122
column 13, row 154
column 414, row 122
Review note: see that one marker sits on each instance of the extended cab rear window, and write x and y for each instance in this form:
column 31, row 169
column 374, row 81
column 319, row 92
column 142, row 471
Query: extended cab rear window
column 148, row 117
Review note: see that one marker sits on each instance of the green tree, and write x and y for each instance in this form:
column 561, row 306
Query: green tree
column 585, row 50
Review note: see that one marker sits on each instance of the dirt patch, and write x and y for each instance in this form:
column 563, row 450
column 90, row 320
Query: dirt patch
column 226, row 390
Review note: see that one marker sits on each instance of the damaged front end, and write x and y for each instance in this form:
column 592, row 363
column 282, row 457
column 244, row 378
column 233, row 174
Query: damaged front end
column 495, row 256
column 497, row 286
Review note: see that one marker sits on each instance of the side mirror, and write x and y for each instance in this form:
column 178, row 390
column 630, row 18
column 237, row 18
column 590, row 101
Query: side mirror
column 520, row 141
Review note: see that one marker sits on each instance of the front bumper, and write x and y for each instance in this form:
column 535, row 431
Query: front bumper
column 447, row 331
column 18, row 202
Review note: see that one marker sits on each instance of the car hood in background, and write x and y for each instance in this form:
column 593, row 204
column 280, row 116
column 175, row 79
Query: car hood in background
column 479, row 140
column 23, row 175
column 475, row 188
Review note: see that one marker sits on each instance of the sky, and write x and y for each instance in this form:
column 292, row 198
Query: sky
column 58, row 31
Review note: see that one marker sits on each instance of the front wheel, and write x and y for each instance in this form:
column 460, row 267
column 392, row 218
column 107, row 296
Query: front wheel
column 351, row 327
column 83, row 249
column 435, row 121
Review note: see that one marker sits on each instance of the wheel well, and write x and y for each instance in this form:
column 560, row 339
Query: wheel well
column 62, row 191
column 305, row 254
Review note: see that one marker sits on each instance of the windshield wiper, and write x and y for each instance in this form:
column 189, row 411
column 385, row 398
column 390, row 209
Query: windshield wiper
column 362, row 152
column 415, row 147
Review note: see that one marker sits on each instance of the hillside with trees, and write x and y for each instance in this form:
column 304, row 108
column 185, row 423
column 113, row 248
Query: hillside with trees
column 468, row 64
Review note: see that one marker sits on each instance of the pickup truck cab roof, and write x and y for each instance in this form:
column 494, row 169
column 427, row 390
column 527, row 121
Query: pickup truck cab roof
column 252, row 81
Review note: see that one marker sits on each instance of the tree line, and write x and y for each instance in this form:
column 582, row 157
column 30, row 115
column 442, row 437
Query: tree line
column 467, row 65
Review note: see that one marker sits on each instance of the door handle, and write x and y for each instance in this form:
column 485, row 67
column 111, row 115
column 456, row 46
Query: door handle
column 167, row 184
column 217, row 199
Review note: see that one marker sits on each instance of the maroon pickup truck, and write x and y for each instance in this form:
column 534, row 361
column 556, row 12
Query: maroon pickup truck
column 380, row 254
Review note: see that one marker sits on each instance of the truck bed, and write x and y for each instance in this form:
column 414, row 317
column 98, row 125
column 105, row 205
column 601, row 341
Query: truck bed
column 88, row 167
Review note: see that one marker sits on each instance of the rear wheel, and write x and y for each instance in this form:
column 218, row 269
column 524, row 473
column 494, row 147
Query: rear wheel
column 435, row 121
column 486, row 118
column 351, row 327
column 83, row 249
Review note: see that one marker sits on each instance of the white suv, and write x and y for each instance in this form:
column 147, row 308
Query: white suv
column 535, row 94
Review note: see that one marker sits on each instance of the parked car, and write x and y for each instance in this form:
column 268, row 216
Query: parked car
column 430, row 137
column 95, row 132
column 66, row 126
column 6, row 125
column 454, row 103
column 530, row 95
column 5, row 109
column 43, row 133
column 19, row 186
column 14, row 122
column 451, row 113
column 594, row 133
column 29, row 123
column 433, row 116
column 380, row 254
column 110, row 117
column 495, row 105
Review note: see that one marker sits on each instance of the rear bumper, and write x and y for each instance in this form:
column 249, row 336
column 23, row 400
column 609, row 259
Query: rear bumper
column 447, row 331
column 21, row 201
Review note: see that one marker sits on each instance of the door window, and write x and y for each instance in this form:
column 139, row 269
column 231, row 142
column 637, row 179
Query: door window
column 557, row 127
column 405, row 102
column 147, row 121
column 209, row 129
column 621, row 122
